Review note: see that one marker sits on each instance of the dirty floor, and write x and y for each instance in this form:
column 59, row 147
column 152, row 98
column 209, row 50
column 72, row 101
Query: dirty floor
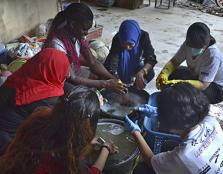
column 167, row 29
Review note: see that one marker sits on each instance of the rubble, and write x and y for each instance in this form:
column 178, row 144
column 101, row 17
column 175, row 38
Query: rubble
column 210, row 8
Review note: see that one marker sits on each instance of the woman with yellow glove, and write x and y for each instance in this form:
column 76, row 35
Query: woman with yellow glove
column 204, row 64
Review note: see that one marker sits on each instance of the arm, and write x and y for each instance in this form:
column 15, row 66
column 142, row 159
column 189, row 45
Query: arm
column 96, row 66
column 144, row 149
column 100, row 162
column 113, row 84
column 208, row 70
column 112, row 60
column 171, row 66
column 149, row 60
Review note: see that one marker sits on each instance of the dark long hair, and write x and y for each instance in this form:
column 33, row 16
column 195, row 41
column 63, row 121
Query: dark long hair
column 65, row 131
column 181, row 106
column 78, row 12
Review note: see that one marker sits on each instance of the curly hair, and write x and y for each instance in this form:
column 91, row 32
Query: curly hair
column 64, row 131
column 181, row 106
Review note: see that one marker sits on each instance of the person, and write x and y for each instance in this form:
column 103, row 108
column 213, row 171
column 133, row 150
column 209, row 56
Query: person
column 56, row 140
column 39, row 82
column 201, row 149
column 131, row 55
column 204, row 64
column 67, row 34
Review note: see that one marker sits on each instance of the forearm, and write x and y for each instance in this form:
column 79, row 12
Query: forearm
column 100, row 162
column 147, row 68
column 101, row 71
column 87, row 82
column 143, row 147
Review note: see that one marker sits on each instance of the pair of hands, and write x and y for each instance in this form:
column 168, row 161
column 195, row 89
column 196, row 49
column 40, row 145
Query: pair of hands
column 121, row 88
column 147, row 110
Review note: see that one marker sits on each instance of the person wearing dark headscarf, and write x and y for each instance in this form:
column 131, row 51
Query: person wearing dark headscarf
column 204, row 64
column 67, row 33
column 131, row 55
column 39, row 82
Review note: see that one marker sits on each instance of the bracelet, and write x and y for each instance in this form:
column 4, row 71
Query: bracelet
column 109, row 151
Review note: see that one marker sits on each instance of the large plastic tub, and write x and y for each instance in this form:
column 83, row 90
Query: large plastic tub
column 154, row 138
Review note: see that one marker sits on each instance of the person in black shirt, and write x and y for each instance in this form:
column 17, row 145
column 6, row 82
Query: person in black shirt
column 131, row 55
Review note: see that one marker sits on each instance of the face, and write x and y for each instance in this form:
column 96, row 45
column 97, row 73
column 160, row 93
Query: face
column 195, row 49
column 128, row 46
column 79, row 30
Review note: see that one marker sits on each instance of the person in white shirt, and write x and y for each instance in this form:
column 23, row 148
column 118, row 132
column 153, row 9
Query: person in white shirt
column 183, row 109
column 204, row 64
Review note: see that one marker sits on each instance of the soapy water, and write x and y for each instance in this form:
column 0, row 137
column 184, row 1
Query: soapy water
column 115, row 106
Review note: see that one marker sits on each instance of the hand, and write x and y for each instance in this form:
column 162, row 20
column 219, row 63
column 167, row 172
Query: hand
column 140, row 82
column 112, row 148
column 147, row 109
column 161, row 81
column 116, row 85
column 131, row 126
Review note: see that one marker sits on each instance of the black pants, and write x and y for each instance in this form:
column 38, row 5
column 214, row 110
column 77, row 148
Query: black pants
column 12, row 116
column 214, row 92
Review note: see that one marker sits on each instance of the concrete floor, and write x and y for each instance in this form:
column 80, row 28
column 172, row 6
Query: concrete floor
column 167, row 29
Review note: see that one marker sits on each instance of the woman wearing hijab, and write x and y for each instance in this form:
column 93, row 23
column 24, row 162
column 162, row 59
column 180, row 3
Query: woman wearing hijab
column 131, row 55
column 67, row 34
column 39, row 82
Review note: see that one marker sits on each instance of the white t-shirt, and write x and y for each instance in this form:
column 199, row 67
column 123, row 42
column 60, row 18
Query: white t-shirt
column 200, row 153
column 208, row 67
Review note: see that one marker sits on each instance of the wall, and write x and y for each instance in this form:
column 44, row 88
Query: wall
column 22, row 16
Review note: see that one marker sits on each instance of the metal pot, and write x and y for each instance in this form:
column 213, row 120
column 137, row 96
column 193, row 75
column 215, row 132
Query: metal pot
column 124, row 161
column 114, row 107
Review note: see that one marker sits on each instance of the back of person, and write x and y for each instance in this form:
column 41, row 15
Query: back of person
column 200, row 152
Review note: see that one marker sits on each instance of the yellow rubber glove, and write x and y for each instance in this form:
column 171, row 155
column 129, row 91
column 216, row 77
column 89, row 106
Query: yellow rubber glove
column 196, row 83
column 162, row 78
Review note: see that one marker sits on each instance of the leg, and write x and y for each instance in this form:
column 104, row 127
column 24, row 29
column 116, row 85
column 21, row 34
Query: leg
column 181, row 73
column 214, row 93
column 143, row 168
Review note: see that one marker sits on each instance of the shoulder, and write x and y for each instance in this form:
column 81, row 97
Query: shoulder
column 144, row 35
column 58, row 44
column 212, row 55
column 214, row 52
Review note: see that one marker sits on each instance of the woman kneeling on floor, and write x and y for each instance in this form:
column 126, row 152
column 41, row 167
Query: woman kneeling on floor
column 57, row 140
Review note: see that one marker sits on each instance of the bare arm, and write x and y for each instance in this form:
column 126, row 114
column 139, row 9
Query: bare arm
column 100, row 162
column 144, row 149
column 96, row 66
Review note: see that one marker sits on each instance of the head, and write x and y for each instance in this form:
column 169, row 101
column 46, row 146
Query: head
column 65, row 130
column 181, row 107
column 198, row 38
column 129, row 34
column 79, row 18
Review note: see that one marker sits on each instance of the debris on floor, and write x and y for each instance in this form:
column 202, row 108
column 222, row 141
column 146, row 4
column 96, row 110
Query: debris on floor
column 210, row 8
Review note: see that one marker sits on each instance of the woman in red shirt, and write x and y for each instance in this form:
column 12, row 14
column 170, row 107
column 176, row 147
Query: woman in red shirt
column 56, row 141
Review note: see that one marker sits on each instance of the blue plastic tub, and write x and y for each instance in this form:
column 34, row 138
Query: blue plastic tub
column 153, row 138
